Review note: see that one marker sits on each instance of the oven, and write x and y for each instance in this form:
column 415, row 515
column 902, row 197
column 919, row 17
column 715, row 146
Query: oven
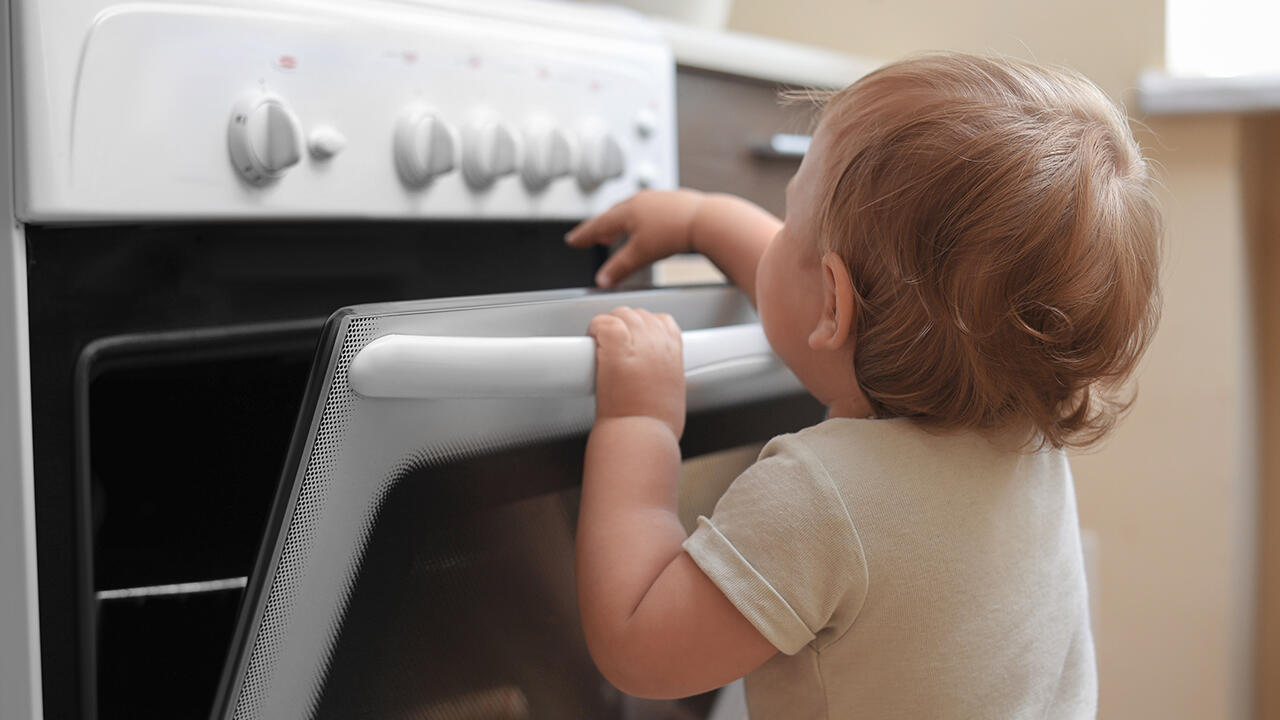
column 293, row 387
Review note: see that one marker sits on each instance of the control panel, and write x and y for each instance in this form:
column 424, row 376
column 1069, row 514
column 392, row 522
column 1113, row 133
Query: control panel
column 352, row 109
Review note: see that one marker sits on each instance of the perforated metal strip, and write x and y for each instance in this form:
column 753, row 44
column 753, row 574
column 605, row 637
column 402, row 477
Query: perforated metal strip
column 297, row 545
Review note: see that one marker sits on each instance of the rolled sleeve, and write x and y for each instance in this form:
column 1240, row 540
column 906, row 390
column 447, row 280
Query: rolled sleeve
column 749, row 591
column 781, row 547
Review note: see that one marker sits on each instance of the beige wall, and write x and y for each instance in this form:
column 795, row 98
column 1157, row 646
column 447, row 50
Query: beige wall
column 1170, row 496
column 1108, row 41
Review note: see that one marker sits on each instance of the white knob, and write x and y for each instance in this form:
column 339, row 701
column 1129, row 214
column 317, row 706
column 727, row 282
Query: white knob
column 325, row 141
column 646, row 176
column 601, row 159
column 264, row 137
column 546, row 156
column 425, row 146
column 488, row 152
column 646, row 123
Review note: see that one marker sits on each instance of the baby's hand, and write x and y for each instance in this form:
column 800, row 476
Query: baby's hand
column 639, row 367
column 658, row 223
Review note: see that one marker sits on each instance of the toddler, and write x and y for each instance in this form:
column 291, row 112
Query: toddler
column 966, row 275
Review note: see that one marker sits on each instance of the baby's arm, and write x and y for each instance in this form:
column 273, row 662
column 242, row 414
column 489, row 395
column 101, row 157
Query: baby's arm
column 655, row 624
column 733, row 233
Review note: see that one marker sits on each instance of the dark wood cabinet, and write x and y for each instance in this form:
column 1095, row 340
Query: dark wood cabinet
column 724, row 121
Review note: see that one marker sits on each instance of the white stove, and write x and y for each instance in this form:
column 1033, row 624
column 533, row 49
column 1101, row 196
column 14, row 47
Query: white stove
column 198, row 115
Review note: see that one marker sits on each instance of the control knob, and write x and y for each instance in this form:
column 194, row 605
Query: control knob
column 488, row 151
column 601, row 159
column 547, row 155
column 424, row 145
column 264, row 137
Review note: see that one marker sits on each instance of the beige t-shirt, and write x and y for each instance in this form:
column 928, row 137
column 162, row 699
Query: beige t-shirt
column 906, row 574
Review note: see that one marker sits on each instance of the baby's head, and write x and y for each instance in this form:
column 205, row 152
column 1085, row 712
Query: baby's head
column 990, row 229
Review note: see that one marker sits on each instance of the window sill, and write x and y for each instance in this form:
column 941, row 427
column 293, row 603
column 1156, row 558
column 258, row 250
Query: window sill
column 1163, row 94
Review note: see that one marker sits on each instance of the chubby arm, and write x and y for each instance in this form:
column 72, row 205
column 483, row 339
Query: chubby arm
column 656, row 626
column 732, row 232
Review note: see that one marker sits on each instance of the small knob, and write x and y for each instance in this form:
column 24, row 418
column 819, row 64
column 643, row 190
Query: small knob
column 646, row 176
column 264, row 137
column 488, row 152
column 325, row 141
column 424, row 146
column 601, row 159
column 546, row 157
column 646, row 123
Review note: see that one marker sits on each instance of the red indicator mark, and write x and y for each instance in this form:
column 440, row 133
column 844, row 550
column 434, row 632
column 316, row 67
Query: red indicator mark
column 594, row 86
column 287, row 62
column 473, row 62
column 543, row 73
column 409, row 56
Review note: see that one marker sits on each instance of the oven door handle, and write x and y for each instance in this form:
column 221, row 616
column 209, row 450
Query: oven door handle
column 434, row 367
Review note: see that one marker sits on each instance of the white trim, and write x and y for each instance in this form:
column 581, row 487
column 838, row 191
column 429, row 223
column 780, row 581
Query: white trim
column 20, row 688
column 187, row 588
column 20, row 697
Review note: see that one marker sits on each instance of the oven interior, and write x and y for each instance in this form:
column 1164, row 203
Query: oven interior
column 185, row 434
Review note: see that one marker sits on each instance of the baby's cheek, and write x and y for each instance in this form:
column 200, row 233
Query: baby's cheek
column 769, row 320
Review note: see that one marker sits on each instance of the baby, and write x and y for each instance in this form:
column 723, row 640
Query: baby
column 966, row 275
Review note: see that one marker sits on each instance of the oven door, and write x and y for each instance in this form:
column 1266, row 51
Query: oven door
column 419, row 560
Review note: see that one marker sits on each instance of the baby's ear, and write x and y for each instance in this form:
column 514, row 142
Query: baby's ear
column 835, row 324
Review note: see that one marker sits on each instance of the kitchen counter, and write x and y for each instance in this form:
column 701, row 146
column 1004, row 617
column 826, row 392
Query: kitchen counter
column 763, row 58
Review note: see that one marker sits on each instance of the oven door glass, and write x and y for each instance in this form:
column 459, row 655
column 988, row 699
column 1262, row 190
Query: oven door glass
column 419, row 559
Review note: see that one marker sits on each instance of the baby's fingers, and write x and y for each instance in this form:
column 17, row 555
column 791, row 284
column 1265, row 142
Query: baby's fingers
column 626, row 260
column 669, row 323
column 602, row 229
column 609, row 329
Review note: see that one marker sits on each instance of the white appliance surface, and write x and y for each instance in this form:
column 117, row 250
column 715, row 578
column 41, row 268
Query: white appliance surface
column 136, row 110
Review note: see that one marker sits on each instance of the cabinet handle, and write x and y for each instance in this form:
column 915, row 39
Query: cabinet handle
column 434, row 367
column 783, row 145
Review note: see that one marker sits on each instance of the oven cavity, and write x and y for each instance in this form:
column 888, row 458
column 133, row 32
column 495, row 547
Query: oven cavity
column 182, row 436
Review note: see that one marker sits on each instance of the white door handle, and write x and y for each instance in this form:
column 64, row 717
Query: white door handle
column 432, row 367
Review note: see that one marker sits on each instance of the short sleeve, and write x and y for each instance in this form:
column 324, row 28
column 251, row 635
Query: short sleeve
column 781, row 546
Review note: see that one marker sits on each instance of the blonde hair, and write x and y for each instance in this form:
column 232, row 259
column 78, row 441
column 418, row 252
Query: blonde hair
column 998, row 222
